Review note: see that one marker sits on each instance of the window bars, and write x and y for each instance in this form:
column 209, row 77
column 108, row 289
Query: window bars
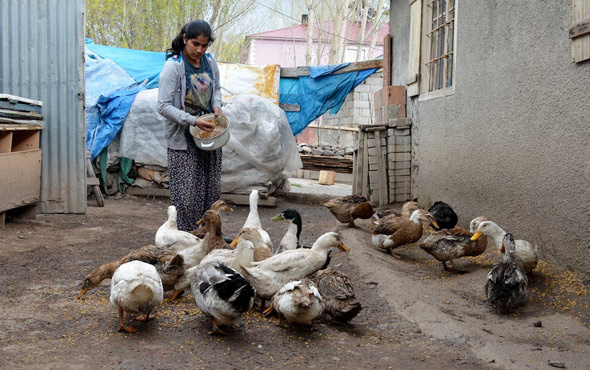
column 441, row 34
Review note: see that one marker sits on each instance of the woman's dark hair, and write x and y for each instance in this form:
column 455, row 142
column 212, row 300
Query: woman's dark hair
column 192, row 29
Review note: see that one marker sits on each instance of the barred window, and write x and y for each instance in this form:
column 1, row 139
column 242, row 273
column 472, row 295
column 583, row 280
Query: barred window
column 440, row 39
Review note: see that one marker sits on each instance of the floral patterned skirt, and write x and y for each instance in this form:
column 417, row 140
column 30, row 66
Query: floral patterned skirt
column 195, row 182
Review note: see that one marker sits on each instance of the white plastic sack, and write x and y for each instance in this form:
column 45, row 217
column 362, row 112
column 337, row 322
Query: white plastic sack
column 261, row 145
column 143, row 136
column 260, row 149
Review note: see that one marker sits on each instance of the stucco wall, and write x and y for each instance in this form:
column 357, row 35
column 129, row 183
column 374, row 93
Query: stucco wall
column 513, row 141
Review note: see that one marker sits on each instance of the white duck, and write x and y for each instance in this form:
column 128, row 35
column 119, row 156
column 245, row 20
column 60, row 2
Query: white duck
column 136, row 287
column 237, row 258
column 525, row 251
column 271, row 274
column 168, row 233
column 299, row 301
column 291, row 238
column 253, row 220
column 221, row 293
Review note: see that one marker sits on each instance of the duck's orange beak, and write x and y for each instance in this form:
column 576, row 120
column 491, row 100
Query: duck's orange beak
column 343, row 247
column 201, row 221
column 433, row 222
column 234, row 242
column 82, row 292
column 476, row 235
column 502, row 249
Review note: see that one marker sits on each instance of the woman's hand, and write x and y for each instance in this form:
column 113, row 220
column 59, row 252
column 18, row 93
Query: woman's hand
column 217, row 111
column 204, row 125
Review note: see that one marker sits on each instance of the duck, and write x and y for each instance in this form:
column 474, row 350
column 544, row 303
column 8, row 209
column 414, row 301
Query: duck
column 217, row 206
column 136, row 287
column 447, row 245
column 336, row 289
column 168, row 263
column 212, row 222
column 168, row 233
column 506, row 284
column 298, row 301
column 273, row 273
column 242, row 255
column 390, row 233
column 445, row 216
column 222, row 294
column 347, row 209
column 525, row 252
column 407, row 209
column 261, row 249
column 290, row 240
column 474, row 224
column 253, row 219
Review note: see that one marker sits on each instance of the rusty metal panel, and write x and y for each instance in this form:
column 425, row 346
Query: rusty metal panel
column 42, row 58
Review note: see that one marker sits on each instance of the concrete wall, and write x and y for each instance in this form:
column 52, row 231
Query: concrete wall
column 513, row 141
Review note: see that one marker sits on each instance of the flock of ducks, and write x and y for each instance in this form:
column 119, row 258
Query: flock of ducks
column 506, row 282
column 226, row 276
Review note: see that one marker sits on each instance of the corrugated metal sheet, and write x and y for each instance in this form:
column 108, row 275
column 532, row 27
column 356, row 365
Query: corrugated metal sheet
column 42, row 58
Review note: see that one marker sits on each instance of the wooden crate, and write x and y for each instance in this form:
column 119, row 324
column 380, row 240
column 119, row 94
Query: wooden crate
column 20, row 166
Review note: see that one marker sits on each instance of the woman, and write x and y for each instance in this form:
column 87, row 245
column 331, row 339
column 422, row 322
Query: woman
column 189, row 87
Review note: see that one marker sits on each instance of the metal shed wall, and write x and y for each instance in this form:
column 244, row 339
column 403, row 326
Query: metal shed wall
column 42, row 58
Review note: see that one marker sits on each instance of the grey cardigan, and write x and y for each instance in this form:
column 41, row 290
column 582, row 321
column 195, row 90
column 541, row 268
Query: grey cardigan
column 171, row 94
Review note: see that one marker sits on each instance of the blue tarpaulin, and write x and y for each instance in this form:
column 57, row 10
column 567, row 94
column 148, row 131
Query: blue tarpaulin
column 318, row 93
column 143, row 66
column 114, row 76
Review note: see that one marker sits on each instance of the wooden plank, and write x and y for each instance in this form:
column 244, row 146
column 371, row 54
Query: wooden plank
column 414, row 69
column 386, row 60
column 16, row 127
column 325, row 161
column 290, row 107
column 20, row 99
column 365, row 176
column 4, row 104
column 580, row 45
column 23, row 186
column 5, row 142
column 17, row 114
column 22, row 122
column 357, row 66
column 382, row 171
column 148, row 192
column 579, row 29
column 244, row 200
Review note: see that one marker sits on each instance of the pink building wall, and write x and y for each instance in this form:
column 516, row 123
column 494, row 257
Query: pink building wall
column 292, row 53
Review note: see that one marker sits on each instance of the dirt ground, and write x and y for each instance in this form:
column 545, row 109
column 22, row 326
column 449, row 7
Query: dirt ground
column 415, row 315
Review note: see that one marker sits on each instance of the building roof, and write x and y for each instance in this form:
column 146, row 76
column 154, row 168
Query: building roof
column 299, row 32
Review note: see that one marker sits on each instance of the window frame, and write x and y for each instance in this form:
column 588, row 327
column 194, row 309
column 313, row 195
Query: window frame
column 425, row 46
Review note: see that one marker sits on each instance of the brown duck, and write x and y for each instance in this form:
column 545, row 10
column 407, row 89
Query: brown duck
column 212, row 228
column 336, row 289
column 390, row 233
column 169, row 264
column 349, row 208
column 219, row 205
column 447, row 245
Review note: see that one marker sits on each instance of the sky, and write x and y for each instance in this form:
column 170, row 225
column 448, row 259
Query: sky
column 286, row 13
